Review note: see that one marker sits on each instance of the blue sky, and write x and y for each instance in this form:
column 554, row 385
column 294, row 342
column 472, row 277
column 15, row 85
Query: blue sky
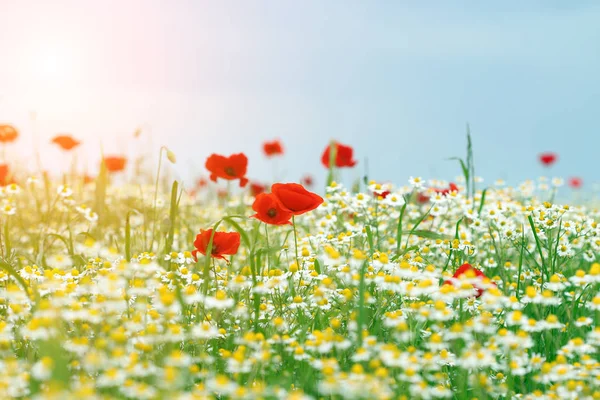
column 397, row 80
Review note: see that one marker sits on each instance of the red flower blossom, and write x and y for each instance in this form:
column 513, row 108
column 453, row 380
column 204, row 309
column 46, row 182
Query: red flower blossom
column 295, row 198
column 222, row 193
column 201, row 182
column 270, row 211
column 228, row 168
column 88, row 179
column 224, row 243
column 343, row 156
column 548, row 158
column 422, row 198
column 4, row 175
column 273, row 148
column 307, row 180
column 383, row 194
column 451, row 188
column 257, row 188
column 468, row 270
column 66, row 142
column 115, row 163
column 575, row 182
column 8, row 134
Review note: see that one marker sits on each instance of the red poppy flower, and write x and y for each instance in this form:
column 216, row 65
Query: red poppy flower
column 575, row 182
column 467, row 269
column 229, row 168
column 88, row 179
column 115, row 163
column 422, row 198
column 66, row 142
column 307, row 180
column 296, row 199
column 343, row 156
column 451, row 188
column 257, row 188
column 4, row 175
column 548, row 158
column 200, row 183
column 224, row 243
column 383, row 194
column 270, row 211
column 273, row 148
column 222, row 193
column 8, row 133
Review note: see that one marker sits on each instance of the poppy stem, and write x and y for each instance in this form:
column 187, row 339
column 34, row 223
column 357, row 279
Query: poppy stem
column 295, row 240
column 155, row 197
column 6, row 238
column 2, row 244
column 332, row 157
column 268, row 249
column 214, row 265
column 73, row 168
column 520, row 261
column 552, row 195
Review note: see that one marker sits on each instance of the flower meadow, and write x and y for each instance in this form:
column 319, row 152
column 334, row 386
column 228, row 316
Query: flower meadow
column 236, row 289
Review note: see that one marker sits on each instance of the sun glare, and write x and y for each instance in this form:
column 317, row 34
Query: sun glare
column 54, row 74
column 50, row 65
column 53, row 64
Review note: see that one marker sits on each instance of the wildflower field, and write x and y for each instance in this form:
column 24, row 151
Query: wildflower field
column 238, row 290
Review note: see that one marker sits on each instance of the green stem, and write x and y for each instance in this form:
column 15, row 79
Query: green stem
column 361, row 302
column 155, row 198
column 539, row 247
column 399, row 228
column 332, row 158
column 520, row 262
column 7, row 238
column 268, row 249
column 128, row 237
column 295, row 240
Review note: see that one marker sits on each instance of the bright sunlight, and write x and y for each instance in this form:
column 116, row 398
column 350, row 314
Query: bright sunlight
column 284, row 200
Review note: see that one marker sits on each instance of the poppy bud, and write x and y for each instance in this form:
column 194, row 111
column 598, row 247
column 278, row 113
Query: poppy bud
column 171, row 156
